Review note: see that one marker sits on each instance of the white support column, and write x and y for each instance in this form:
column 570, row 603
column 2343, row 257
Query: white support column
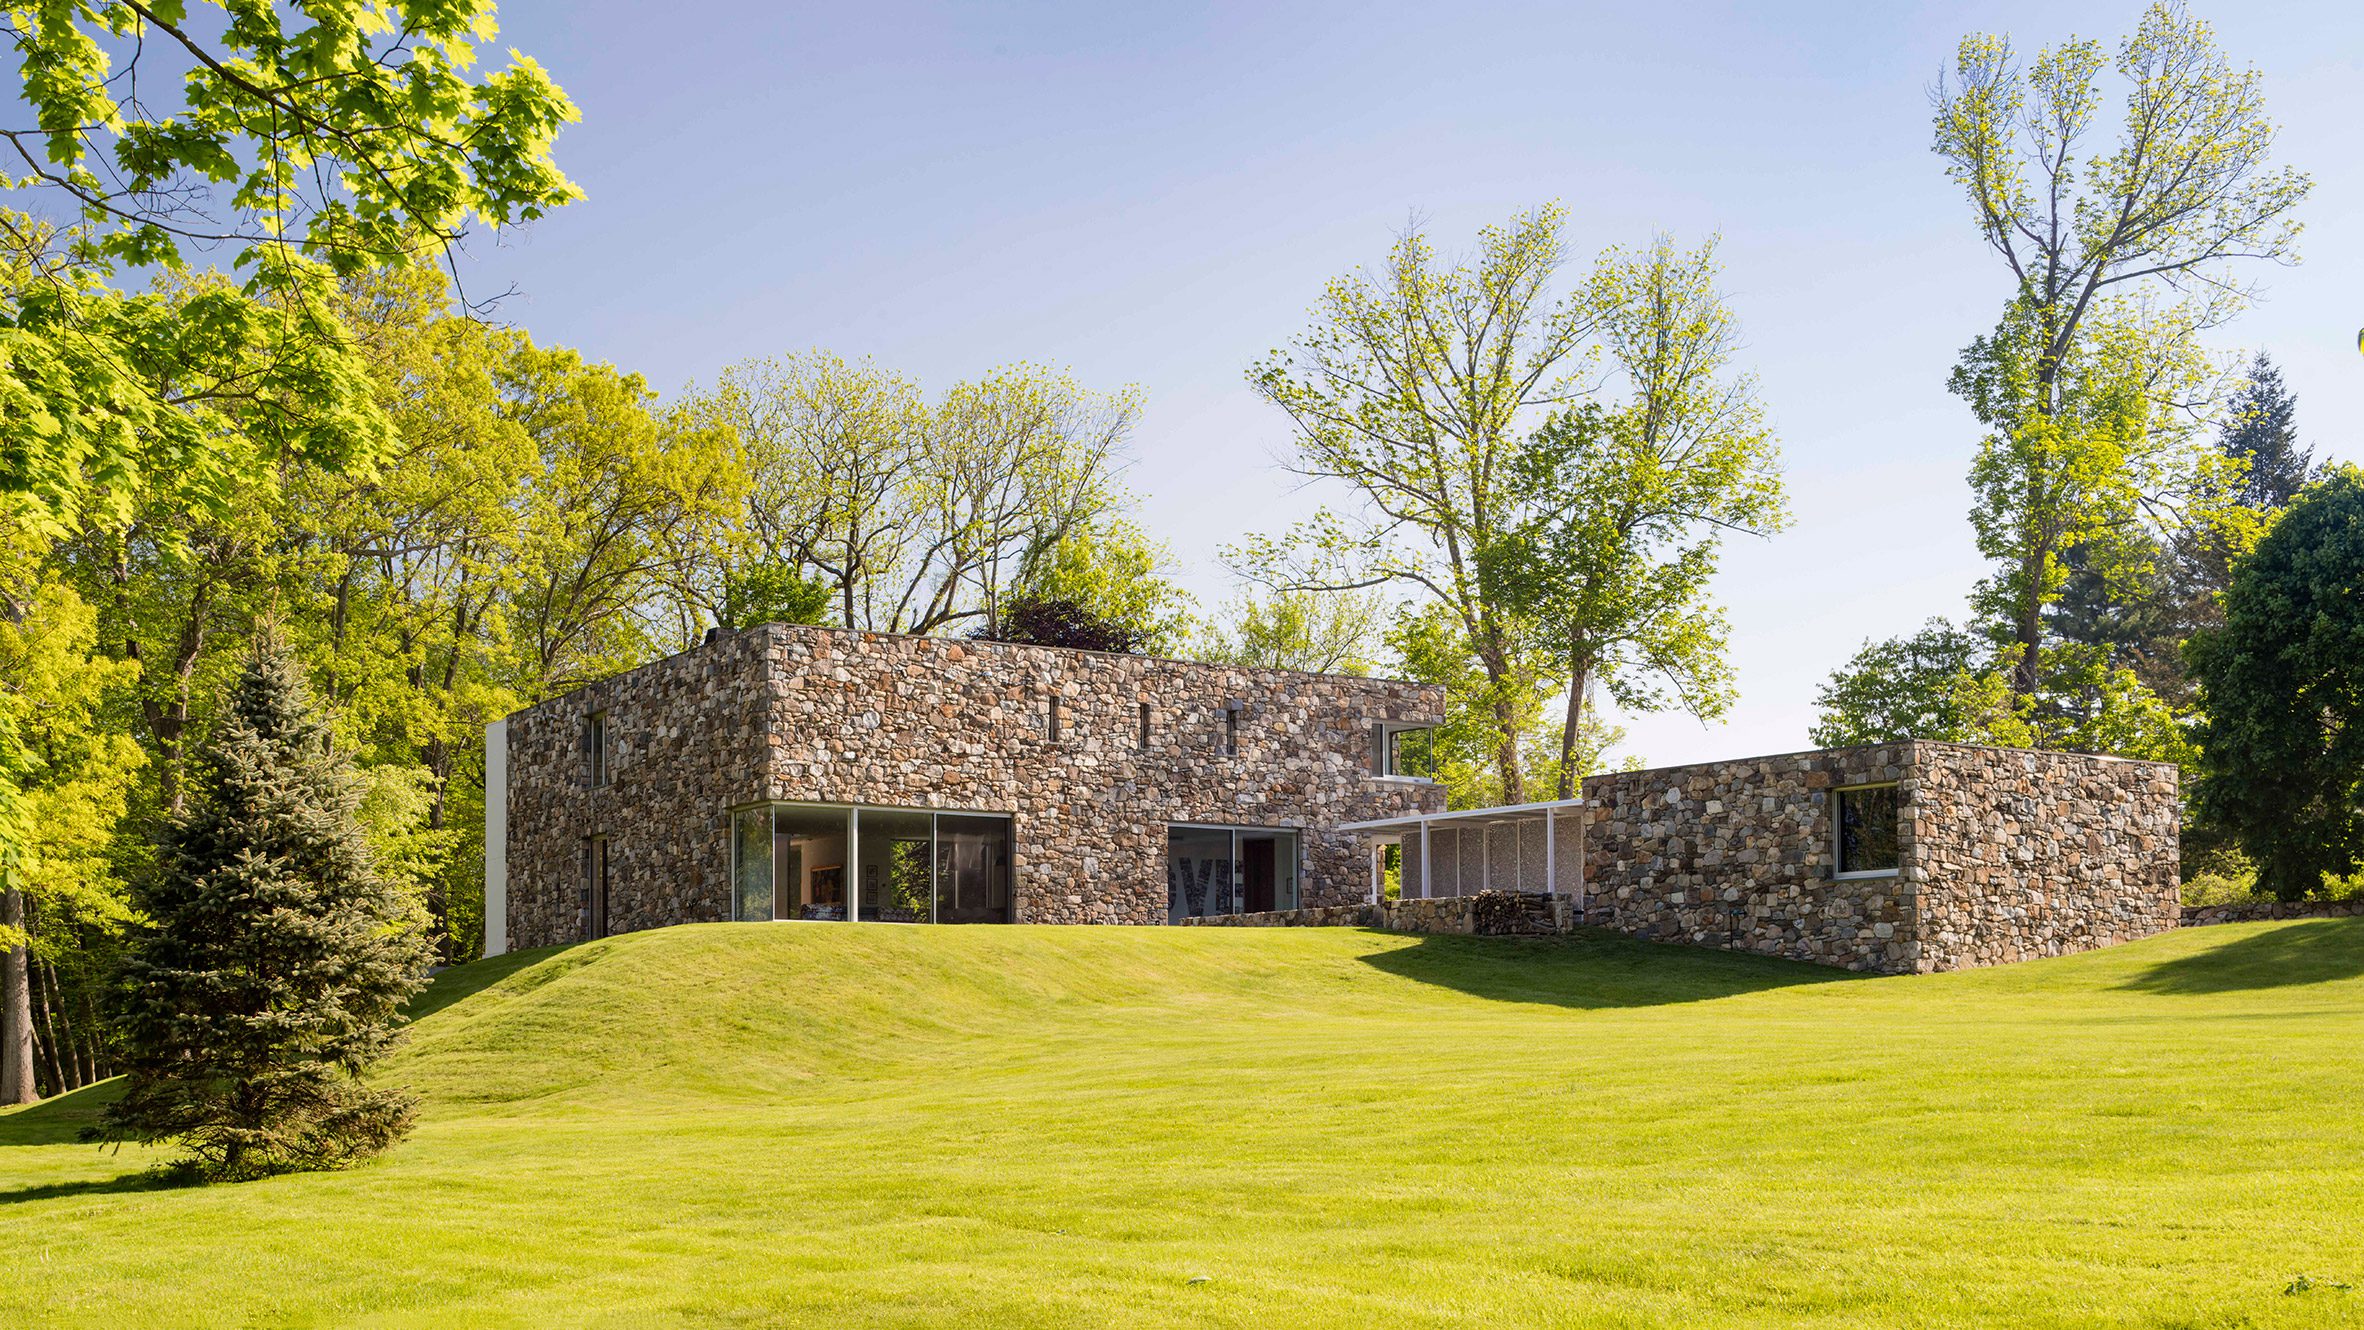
column 853, row 865
column 1427, row 878
column 1485, row 856
column 1551, row 854
column 1378, row 873
column 496, row 838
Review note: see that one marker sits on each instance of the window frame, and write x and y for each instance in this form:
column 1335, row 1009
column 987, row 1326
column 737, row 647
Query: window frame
column 597, row 771
column 1838, row 831
column 1386, row 746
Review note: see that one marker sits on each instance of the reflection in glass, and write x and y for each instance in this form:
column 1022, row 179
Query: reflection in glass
column 895, row 866
column 1200, row 876
column 1867, row 830
column 751, row 863
column 972, row 869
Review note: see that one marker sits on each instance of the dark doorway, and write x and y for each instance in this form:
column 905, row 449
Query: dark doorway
column 1257, row 873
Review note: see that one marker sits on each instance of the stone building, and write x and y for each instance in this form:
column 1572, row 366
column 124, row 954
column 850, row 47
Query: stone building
column 819, row 774
column 815, row 773
column 1896, row 857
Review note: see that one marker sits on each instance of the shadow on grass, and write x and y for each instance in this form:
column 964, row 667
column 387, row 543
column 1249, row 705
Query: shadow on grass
column 2309, row 951
column 467, row 980
column 1591, row 969
column 59, row 1119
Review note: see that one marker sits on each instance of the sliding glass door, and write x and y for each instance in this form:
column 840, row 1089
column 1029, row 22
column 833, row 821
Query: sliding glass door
column 1229, row 870
column 886, row 865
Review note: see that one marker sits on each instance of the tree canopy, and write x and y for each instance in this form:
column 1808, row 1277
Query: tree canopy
column 2282, row 688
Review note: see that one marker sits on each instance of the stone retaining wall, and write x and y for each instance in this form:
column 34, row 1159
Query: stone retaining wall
column 2247, row 912
column 1488, row 914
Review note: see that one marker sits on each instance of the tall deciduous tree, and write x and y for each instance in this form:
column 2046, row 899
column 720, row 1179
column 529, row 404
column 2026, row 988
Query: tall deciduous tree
column 1417, row 389
column 299, row 144
column 1335, row 632
column 924, row 516
column 1925, row 686
column 1629, row 505
column 2282, row 687
column 65, row 787
column 276, row 959
column 2078, row 384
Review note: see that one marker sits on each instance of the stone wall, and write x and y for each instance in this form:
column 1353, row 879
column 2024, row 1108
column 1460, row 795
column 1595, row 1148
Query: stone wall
column 2021, row 854
column 2003, row 854
column 828, row 716
column 1741, row 855
column 686, row 736
column 2250, row 912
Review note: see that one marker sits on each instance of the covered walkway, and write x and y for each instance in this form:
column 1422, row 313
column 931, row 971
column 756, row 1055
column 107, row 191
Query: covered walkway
column 1535, row 848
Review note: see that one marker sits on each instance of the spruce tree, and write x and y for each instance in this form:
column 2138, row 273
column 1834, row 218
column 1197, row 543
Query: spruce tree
column 276, row 959
column 2260, row 428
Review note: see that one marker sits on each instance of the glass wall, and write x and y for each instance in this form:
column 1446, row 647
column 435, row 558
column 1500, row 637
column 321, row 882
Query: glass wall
column 1229, row 870
column 891, row 865
column 809, row 853
column 972, row 869
column 894, row 858
column 751, row 863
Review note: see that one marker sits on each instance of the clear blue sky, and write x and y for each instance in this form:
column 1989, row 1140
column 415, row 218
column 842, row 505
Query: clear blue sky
column 1154, row 195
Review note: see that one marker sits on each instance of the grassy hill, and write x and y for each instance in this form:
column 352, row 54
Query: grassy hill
column 877, row 1125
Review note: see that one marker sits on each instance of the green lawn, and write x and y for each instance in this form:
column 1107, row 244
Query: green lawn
column 877, row 1125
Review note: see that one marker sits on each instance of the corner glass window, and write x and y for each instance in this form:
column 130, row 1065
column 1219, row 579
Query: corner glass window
column 1866, row 820
column 751, row 863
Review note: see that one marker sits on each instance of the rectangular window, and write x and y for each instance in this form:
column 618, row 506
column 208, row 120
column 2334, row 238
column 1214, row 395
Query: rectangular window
column 595, row 748
column 1231, row 729
column 889, row 865
column 1866, row 821
column 1229, row 870
column 1051, row 720
column 1411, row 753
column 751, row 863
column 1144, row 724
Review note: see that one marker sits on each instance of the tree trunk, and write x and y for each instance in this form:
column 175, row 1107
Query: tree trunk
column 43, row 982
column 1506, row 718
column 1579, row 677
column 2028, row 631
column 95, row 1067
column 16, row 1009
column 71, row 1075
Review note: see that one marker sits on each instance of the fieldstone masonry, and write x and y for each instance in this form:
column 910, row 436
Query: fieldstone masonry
column 829, row 716
column 2004, row 854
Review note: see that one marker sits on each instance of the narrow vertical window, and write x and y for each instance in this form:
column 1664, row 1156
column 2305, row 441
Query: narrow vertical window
column 595, row 748
column 1144, row 724
column 1231, row 730
column 1051, row 720
column 594, row 905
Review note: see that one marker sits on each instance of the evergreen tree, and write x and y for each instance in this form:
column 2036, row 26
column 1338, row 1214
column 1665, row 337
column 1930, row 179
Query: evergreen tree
column 277, row 957
column 2260, row 428
column 2282, row 684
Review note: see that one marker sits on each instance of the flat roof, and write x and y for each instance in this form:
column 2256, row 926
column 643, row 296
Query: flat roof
column 1465, row 816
